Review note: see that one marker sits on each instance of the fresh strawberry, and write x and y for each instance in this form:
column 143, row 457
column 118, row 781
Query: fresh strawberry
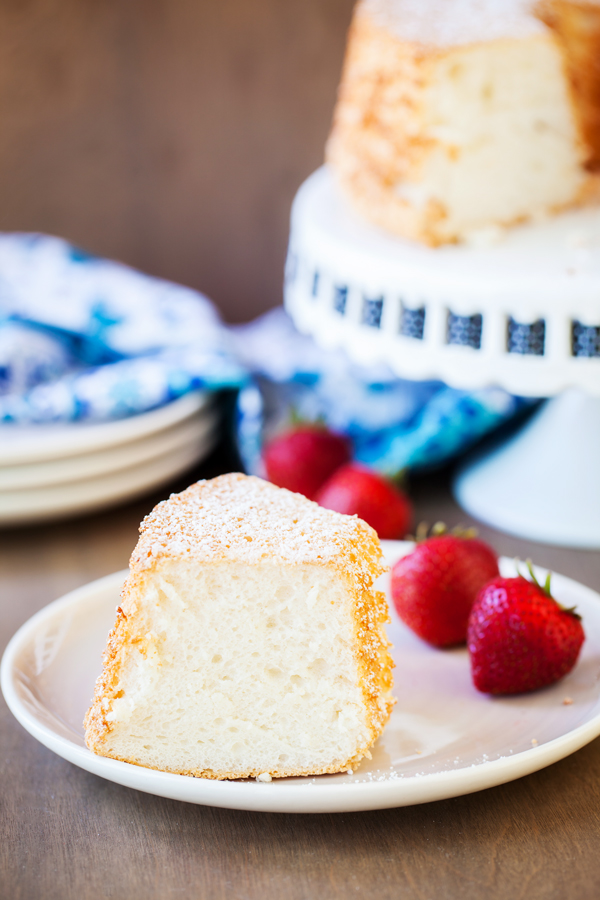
column 302, row 459
column 520, row 638
column 355, row 490
column 435, row 586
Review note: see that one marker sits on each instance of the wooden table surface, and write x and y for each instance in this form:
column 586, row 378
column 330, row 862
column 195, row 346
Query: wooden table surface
column 69, row 835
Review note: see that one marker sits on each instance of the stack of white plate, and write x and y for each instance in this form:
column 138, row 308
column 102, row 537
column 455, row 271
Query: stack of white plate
column 50, row 471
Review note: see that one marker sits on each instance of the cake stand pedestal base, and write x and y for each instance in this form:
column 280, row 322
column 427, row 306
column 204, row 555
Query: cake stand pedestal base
column 543, row 484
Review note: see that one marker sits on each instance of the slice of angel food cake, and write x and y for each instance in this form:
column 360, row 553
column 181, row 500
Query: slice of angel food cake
column 249, row 640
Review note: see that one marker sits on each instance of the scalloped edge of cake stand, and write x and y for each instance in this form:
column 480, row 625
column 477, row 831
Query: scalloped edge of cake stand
column 523, row 314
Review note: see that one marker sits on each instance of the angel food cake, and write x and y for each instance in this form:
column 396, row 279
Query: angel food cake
column 457, row 115
column 249, row 640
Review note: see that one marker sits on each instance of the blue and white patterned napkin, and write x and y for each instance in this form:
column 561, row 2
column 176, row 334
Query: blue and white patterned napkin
column 87, row 339
column 394, row 424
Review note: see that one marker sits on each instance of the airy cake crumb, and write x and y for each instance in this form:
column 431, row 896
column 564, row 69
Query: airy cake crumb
column 249, row 640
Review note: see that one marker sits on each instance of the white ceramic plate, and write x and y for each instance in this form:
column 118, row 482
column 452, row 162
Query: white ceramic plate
column 37, row 443
column 89, row 494
column 92, row 464
column 443, row 740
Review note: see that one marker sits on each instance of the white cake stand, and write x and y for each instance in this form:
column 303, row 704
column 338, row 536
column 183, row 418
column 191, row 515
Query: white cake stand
column 520, row 310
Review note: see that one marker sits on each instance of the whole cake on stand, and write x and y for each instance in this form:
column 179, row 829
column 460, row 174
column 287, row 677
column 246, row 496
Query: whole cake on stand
column 454, row 233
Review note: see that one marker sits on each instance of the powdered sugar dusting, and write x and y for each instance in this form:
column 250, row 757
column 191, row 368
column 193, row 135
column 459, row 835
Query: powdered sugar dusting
column 445, row 23
column 244, row 519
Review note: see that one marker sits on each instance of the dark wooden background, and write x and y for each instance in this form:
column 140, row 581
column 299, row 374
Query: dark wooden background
column 171, row 134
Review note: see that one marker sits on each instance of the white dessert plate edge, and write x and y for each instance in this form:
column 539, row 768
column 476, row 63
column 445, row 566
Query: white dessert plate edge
column 111, row 488
column 89, row 465
column 339, row 793
column 24, row 443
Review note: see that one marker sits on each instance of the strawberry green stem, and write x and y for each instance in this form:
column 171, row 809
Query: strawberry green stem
column 440, row 528
column 545, row 587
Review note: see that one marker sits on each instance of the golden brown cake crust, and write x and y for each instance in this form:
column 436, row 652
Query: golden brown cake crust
column 382, row 141
column 576, row 24
column 269, row 526
column 368, row 151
